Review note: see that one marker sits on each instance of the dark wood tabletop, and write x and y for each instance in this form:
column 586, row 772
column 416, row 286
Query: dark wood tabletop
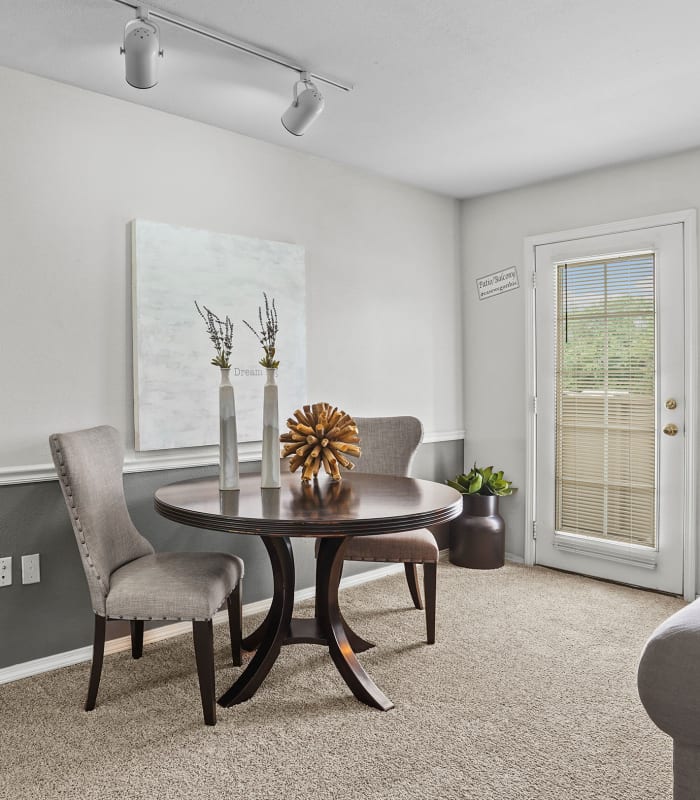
column 359, row 504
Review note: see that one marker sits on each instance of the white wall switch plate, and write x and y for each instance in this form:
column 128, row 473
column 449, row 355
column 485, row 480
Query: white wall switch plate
column 30, row 569
column 6, row 571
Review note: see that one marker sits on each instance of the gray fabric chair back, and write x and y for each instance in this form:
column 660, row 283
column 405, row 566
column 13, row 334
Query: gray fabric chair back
column 388, row 444
column 89, row 466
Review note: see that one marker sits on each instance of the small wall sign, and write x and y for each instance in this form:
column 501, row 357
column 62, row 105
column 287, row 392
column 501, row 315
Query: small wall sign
column 497, row 283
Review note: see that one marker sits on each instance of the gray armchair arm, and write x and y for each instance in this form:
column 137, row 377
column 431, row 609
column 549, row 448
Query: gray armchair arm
column 668, row 680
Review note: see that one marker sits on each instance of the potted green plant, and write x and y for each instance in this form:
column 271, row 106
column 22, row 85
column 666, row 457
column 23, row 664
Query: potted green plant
column 478, row 535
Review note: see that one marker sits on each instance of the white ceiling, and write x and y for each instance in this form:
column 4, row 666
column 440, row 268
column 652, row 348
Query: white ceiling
column 462, row 97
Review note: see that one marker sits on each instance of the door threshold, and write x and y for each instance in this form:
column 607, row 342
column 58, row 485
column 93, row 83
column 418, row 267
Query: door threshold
column 608, row 580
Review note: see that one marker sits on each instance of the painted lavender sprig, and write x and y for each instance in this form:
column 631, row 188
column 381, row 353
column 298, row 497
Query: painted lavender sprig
column 267, row 335
column 221, row 336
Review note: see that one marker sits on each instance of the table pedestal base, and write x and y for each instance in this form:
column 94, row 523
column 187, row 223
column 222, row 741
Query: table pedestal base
column 327, row 628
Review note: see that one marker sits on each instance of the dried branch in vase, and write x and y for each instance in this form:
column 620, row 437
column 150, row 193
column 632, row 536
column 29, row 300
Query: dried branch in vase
column 320, row 435
column 267, row 335
column 220, row 334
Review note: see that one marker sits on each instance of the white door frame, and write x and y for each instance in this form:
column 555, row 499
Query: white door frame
column 688, row 218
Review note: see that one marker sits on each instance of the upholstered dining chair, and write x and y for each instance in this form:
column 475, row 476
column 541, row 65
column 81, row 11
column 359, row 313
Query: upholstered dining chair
column 126, row 578
column 388, row 446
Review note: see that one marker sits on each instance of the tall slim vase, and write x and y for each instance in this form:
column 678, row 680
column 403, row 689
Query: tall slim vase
column 270, row 478
column 228, row 435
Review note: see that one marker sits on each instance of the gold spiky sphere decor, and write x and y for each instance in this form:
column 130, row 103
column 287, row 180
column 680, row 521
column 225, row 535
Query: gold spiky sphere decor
column 320, row 434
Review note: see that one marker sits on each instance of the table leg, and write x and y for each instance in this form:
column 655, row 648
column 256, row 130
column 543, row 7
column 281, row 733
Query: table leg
column 276, row 626
column 358, row 644
column 329, row 567
column 252, row 641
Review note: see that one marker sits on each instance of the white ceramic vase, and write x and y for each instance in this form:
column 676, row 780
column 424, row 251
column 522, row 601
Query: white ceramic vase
column 270, row 478
column 228, row 435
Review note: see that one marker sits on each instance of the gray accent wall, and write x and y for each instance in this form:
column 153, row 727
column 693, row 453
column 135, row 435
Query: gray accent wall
column 55, row 616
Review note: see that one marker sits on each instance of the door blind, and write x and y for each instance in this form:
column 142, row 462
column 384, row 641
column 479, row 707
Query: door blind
column 605, row 468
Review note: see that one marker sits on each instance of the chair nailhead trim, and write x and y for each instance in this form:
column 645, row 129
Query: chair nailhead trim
column 68, row 491
column 149, row 619
column 394, row 561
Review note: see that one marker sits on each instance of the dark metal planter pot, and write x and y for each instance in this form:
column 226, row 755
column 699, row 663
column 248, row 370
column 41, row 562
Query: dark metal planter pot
column 478, row 535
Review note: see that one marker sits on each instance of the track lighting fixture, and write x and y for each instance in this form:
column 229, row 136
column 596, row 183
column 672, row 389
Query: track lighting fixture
column 141, row 50
column 305, row 107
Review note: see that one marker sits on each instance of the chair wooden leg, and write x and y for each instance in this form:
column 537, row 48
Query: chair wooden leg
column 203, row 634
column 430, row 586
column 235, row 623
column 98, row 652
column 136, row 638
column 412, row 580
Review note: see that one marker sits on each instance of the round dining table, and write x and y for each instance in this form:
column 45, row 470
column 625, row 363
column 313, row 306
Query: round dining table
column 358, row 505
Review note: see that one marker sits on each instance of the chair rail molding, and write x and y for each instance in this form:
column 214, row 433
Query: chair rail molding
column 176, row 459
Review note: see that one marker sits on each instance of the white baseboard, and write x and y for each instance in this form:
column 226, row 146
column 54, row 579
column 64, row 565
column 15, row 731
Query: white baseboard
column 39, row 665
column 515, row 559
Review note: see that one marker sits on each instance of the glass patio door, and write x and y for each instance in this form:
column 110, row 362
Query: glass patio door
column 610, row 406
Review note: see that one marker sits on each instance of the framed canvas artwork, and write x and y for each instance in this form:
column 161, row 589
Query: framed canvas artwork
column 175, row 385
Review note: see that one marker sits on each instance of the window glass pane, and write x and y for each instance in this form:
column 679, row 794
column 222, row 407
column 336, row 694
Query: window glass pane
column 605, row 404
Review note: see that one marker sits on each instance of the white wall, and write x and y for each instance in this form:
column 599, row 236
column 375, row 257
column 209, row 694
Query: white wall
column 493, row 230
column 383, row 276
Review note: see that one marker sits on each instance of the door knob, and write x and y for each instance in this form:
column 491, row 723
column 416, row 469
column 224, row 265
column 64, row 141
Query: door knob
column 671, row 404
column 670, row 429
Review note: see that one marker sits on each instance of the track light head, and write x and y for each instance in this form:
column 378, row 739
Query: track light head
column 141, row 50
column 305, row 107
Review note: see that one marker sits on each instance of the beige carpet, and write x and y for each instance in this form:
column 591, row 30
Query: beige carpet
column 529, row 693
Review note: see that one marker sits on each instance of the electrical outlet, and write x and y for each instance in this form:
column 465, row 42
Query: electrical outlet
column 30, row 569
column 6, row 571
